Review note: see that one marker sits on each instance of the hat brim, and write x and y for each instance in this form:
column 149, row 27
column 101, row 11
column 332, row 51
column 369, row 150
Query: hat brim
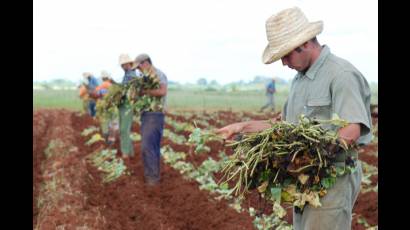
column 272, row 54
column 86, row 75
column 134, row 65
column 137, row 63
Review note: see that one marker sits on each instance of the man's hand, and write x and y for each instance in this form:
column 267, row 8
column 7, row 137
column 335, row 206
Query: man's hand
column 162, row 91
column 334, row 148
column 229, row 131
column 277, row 118
column 350, row 133
column 347, row 136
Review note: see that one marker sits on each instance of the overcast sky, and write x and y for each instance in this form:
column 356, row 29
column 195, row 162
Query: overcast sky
column 187, row 39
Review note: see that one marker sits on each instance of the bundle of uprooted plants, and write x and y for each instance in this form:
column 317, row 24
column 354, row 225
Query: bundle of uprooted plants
column 289, row 163
column 143, row 102
column 108, row 105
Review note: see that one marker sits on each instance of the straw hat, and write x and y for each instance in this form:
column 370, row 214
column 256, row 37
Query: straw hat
column 125, row 58
column 287, row 30
column 105, row 74
column 87, row 74
column 140, row 58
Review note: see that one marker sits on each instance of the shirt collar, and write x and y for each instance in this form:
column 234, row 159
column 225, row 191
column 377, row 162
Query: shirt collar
column 324, row 53
column 311, row 73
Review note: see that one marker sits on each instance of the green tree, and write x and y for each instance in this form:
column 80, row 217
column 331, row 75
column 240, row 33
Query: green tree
column 202, row 82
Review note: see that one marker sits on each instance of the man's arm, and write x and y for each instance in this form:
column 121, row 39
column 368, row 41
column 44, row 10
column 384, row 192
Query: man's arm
column 162, row 91
column 349, row 90
column 229, row 131
column 350, row 133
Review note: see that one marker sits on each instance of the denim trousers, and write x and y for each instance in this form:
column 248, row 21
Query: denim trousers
column 91, row 108
column 270, row 102
column 152, row 126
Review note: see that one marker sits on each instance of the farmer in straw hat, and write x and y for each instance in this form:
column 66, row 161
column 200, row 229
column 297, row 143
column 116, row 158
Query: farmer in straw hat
column 102, row 88
column 106, row 82
column 324, row 84
column 91, row 83
column 125, row 110
column 152, row 122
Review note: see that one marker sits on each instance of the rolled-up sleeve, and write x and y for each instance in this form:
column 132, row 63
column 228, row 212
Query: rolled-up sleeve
column 163, row 78
column 351, row 100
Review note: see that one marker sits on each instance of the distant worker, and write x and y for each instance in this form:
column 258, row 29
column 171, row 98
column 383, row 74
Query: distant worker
column 270, row 90
column 109, row 125
column 102, row 89
column 92, row 83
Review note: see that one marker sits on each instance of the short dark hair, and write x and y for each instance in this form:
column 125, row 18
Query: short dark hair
column 148, row 60
column 314, row 40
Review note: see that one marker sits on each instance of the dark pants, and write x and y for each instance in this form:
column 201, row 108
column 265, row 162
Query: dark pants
column 152, row 126
column 91, row 108
column 270, row 102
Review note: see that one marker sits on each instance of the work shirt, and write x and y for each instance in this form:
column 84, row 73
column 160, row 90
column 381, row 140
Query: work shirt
column 270, row 88
column 103, row 88
column 162, row 80
column 331, row 85
column 128, row 76
column 92, row 83
column 83, row 92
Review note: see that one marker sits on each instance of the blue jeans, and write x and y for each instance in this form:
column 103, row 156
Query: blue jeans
column 91, row 108
column 270, row 102
column 152, row 126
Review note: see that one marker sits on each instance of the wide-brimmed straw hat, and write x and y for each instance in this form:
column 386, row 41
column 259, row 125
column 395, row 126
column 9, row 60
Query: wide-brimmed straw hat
column 87, row 74
column 105, row 74
column 125, row 58
column 287, row 30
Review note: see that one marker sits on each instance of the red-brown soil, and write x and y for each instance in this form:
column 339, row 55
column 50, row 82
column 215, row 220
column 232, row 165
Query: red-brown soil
column 128, row 203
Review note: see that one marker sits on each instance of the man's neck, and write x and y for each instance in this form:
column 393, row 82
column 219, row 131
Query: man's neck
column 314, row 56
